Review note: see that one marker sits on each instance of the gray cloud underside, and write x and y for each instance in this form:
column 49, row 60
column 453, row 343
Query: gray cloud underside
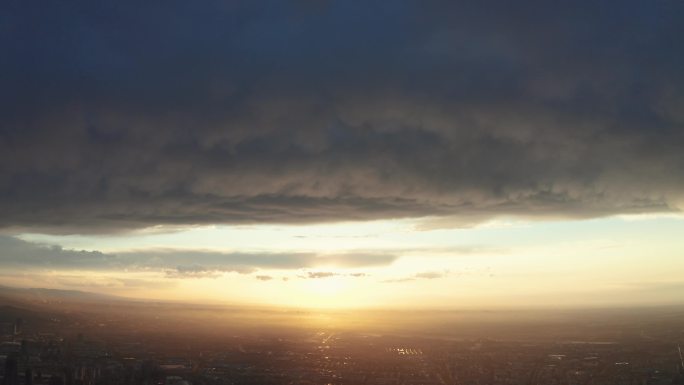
column 318, row 274
column 423, row 275
column 19, row 254
column 124, row 115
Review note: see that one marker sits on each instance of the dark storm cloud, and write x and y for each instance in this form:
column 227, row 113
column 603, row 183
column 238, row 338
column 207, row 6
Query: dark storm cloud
column 121, row 115
column 18, row 254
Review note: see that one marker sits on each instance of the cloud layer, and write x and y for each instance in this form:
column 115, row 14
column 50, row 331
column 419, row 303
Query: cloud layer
column 121, row 115
column 16, row 254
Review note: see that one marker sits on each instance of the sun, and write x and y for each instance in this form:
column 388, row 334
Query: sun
column 327, row 286
column 328, row 292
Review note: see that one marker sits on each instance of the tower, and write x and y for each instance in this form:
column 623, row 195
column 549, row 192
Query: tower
column 18, row 324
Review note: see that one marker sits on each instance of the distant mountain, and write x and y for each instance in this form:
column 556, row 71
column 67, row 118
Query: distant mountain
column 14, row 295
column 8, row 314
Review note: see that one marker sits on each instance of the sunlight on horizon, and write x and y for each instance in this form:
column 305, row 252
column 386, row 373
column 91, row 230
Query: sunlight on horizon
column 622, row 260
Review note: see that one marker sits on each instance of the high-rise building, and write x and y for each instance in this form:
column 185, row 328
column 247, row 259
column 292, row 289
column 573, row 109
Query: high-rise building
column 11, row 370
column 28, row 377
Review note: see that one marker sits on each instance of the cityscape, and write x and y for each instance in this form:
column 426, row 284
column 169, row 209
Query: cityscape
column 169, row 345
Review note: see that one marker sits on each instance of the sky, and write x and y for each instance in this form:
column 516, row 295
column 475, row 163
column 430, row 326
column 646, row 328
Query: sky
column 323, row 153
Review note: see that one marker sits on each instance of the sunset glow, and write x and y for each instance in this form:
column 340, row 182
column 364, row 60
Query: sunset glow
column 396, row 264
